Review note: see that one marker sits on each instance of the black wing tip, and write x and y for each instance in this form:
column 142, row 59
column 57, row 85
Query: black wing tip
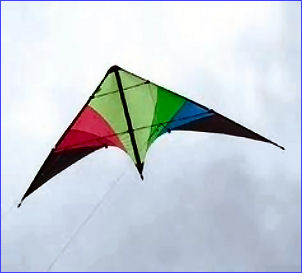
column 19, row 205
column 281, row 147
column 277, row 145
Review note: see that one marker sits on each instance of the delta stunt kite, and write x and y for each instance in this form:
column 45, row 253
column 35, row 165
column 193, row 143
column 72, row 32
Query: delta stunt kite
column 129, row 112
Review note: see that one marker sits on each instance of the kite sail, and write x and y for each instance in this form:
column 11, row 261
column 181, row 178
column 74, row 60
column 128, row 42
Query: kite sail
column 129, row 112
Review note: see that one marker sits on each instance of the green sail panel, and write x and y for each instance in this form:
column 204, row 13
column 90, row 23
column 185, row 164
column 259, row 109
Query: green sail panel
column 128, row 80
column 108, row 104
column 141, row 103
column 167, row 106
column 108, row 86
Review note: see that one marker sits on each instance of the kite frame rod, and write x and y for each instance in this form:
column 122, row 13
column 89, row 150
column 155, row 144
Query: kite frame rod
column 125, row 89
column 164, row 123
column 148, row 81
column 128, row 119
column 64, row 134
column 84, row 106
column 209, row 109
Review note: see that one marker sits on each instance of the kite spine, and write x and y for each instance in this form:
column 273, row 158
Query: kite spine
column 139, row 164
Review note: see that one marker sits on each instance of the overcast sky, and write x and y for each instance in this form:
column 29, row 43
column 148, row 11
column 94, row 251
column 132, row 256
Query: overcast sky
column 208, row 202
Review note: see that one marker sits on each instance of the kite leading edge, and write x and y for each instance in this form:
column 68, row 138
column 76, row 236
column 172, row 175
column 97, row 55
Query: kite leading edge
column 129, row 112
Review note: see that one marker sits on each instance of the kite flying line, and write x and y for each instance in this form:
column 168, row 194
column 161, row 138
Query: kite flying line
column 86, row 219
column 8, row 211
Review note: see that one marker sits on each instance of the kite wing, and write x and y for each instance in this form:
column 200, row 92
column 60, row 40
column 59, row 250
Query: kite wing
column 129, row 112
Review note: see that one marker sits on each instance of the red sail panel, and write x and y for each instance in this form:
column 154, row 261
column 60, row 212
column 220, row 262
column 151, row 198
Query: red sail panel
column 89, row 130
column 89, row 133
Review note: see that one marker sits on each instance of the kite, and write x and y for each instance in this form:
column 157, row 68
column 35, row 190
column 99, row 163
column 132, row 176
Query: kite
column 129, row 112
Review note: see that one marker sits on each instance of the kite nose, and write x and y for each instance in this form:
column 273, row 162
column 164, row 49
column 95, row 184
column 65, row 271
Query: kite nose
column 114, row 68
